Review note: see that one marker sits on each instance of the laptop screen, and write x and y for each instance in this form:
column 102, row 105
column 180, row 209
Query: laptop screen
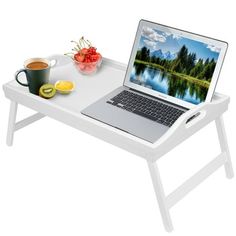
column 174, row 63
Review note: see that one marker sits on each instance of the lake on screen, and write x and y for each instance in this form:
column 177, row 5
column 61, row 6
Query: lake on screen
column 167, row 83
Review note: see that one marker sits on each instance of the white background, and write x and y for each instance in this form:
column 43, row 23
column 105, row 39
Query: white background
column 56, row 180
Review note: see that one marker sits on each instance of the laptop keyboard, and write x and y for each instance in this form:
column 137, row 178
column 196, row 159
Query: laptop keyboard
column 146, row 107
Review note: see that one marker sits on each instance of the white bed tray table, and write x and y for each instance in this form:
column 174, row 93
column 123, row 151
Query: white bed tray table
column 91, row 88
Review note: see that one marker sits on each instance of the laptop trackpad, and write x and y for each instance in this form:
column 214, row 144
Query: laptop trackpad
column 129, row 122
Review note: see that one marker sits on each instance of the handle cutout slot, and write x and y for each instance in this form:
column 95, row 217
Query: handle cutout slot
column 192, row 117
column 195, row 118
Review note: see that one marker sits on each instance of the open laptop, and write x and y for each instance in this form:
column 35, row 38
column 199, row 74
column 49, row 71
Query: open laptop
column 169, row 72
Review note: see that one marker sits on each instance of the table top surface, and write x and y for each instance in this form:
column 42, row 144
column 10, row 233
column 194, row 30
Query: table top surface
column 88, row 89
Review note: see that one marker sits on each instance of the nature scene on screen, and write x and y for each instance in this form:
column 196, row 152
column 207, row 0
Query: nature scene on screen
column 174, row 65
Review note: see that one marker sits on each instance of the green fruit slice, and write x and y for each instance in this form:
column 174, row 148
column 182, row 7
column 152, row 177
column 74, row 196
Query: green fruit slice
column 47, row 91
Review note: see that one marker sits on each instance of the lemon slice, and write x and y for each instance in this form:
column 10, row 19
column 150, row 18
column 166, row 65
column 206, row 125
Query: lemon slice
column 64, row 86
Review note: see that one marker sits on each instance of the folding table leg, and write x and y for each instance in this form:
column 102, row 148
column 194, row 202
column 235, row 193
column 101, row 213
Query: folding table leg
column 11, row 122
column 160, row 195
column 224, row 146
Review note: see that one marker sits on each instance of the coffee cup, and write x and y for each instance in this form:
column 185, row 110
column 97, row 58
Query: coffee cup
column 37, row 71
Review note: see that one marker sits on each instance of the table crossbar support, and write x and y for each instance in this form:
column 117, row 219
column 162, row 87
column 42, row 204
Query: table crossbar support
column 29, row 120
column 195, row 180
column 14, row 126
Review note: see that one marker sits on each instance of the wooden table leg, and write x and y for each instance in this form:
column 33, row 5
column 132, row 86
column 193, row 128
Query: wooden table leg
column 160, row 195
column 11, row 123
column 224, row 146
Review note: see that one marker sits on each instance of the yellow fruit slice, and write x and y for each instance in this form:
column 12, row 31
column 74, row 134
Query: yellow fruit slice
column 64, row 86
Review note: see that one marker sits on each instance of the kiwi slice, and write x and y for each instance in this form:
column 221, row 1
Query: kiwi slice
column 47, row 91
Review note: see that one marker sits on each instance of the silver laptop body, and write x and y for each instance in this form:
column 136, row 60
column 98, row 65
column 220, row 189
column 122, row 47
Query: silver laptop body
column 160, row 70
